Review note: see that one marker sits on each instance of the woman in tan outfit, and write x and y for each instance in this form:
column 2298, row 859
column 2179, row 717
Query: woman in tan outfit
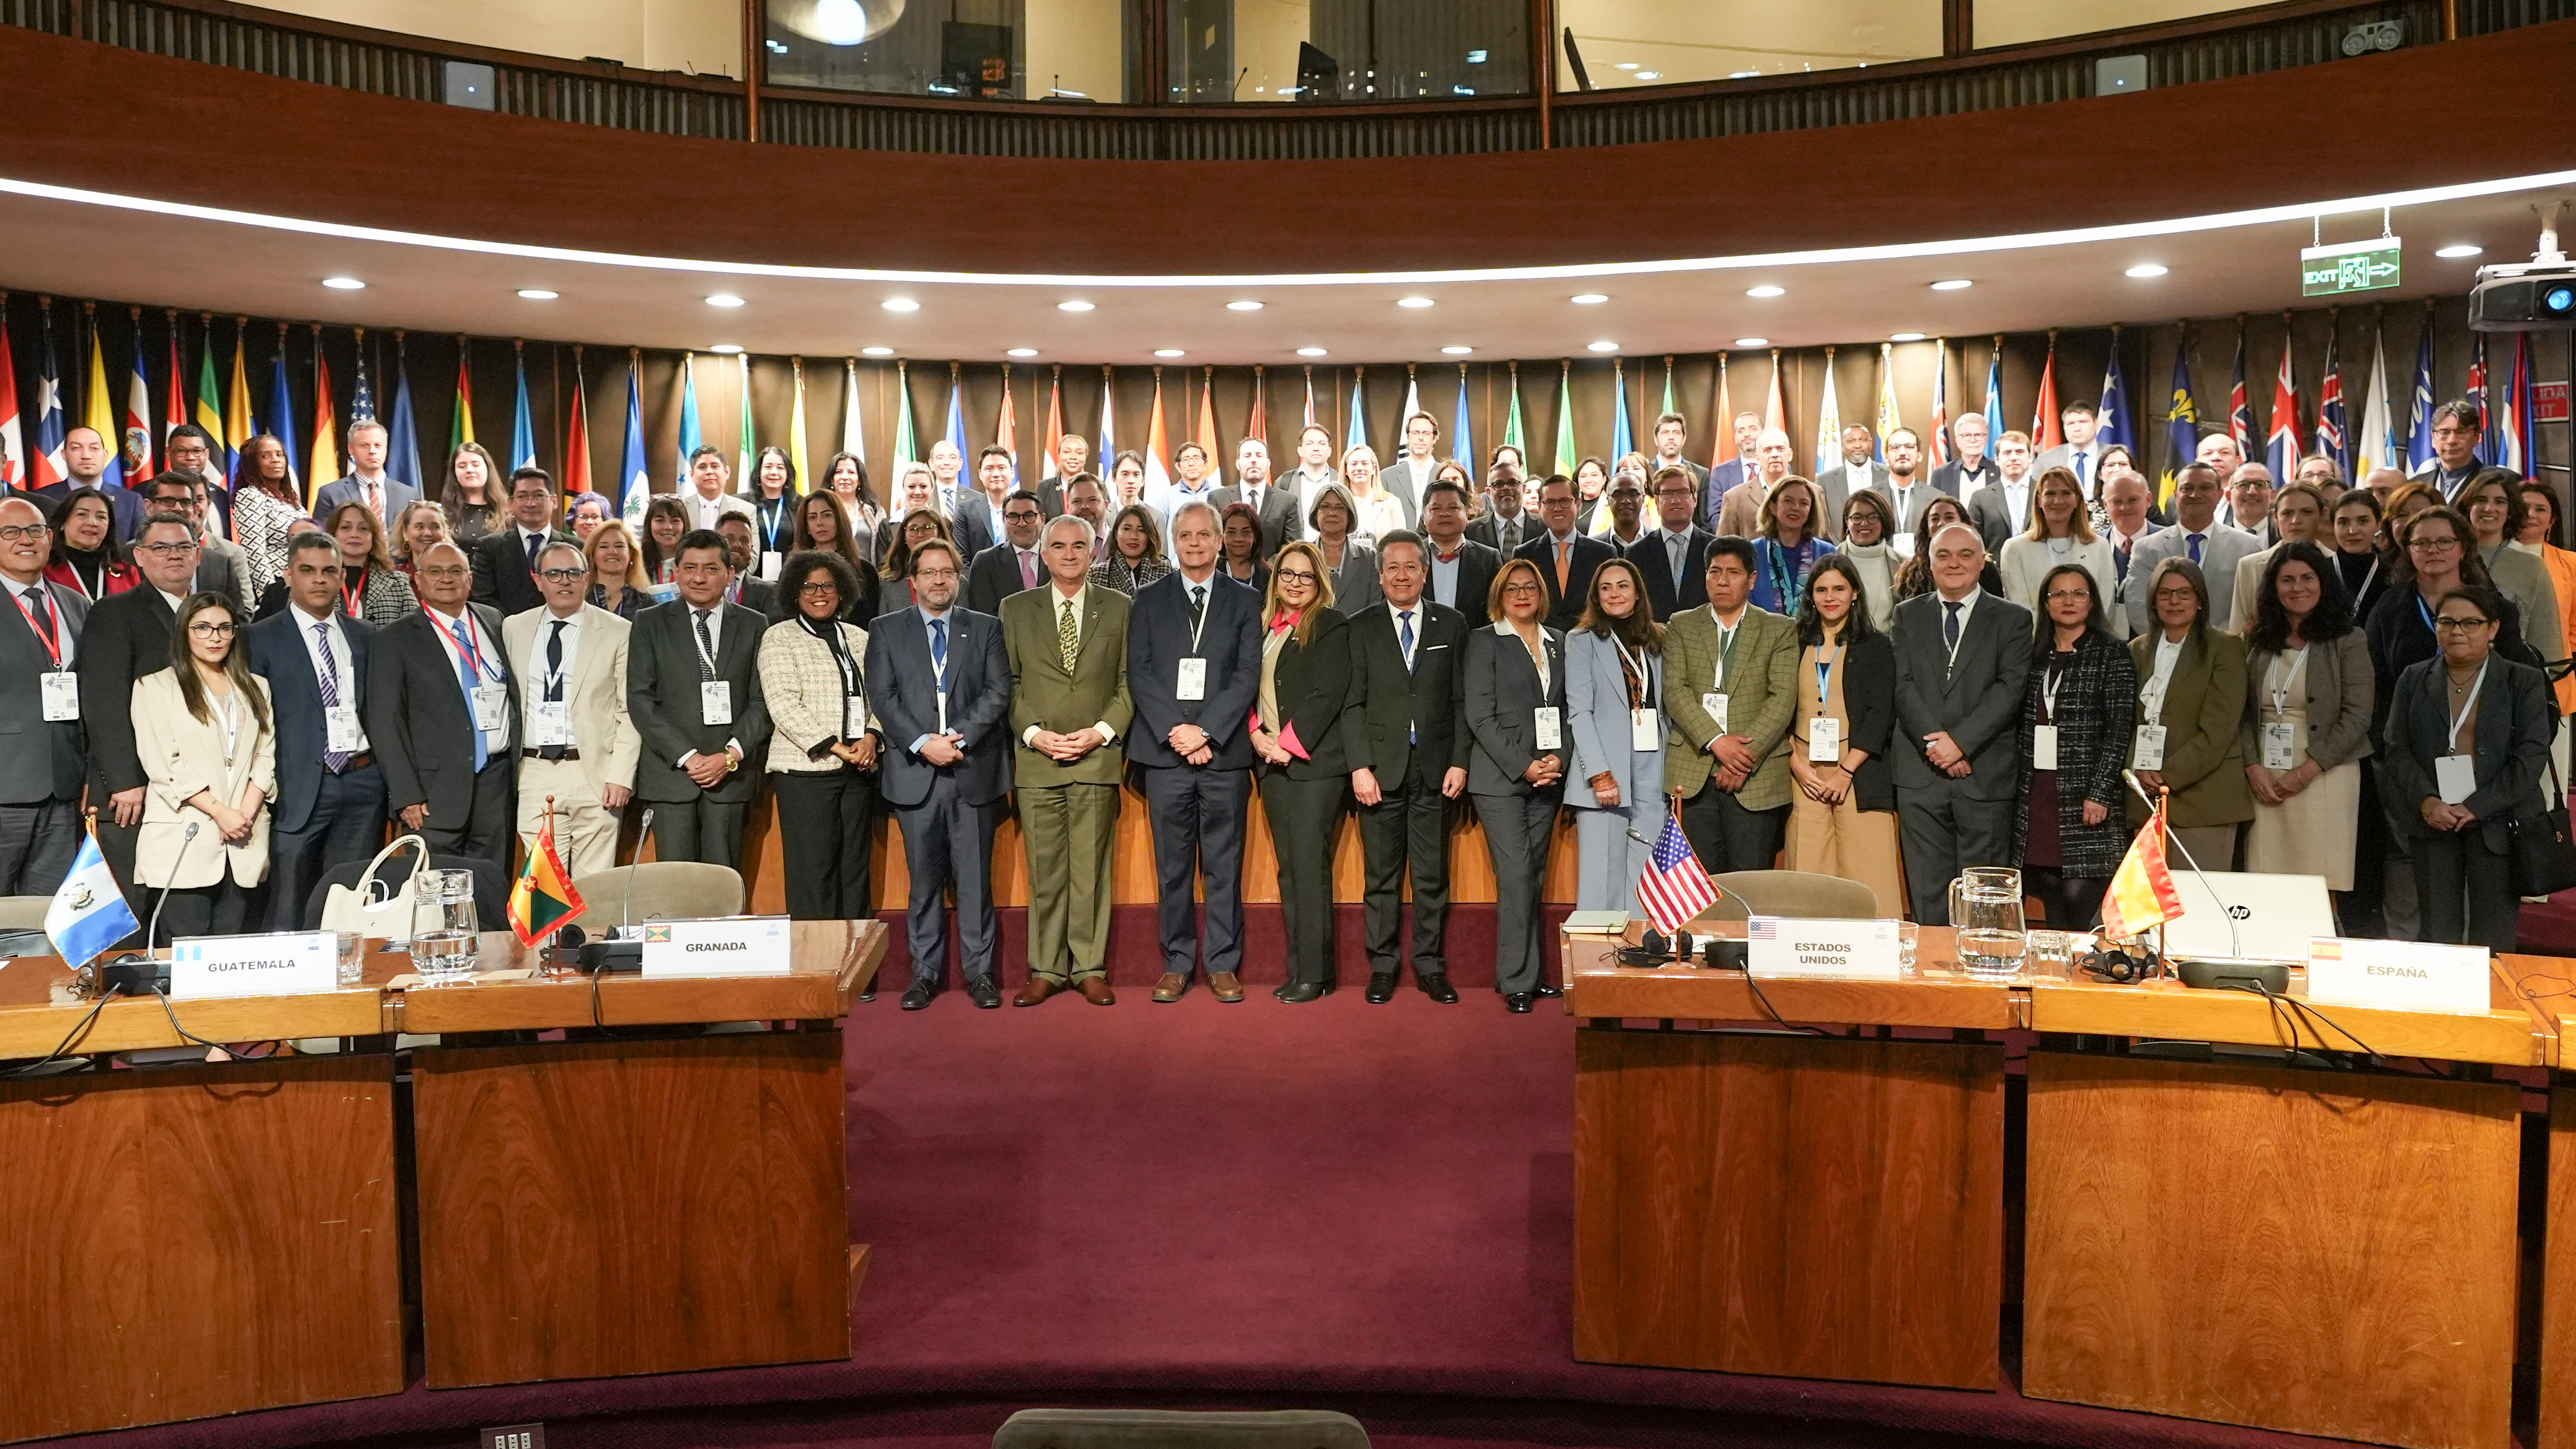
column 1842, row 816
column 203, row 731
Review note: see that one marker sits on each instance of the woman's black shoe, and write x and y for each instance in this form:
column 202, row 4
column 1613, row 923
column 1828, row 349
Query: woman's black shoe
column 1298, row 993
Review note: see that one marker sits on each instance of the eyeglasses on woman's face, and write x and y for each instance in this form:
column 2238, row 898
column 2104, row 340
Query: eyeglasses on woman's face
column 2460, row 623
column 212, row 628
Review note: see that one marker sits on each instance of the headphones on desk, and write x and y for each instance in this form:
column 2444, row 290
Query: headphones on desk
column 2122, row 964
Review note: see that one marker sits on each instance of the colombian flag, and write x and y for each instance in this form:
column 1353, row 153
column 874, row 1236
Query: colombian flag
column 544, row 897
column 2142, row 893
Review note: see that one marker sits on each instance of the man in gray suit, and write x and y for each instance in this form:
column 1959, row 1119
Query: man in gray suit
column 1858, row 469
column 1671, row 434
column 2081, row 453
column 2196, row 534
column 222, row 567
column 40, row 772
column 1904, row 487
column 367, row 482
column 1281, row 518
column 1410, row 471
column 2002, row 508
column 1962, row 664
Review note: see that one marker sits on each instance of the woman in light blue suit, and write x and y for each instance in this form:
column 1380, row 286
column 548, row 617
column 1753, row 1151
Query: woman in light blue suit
column 1613, row 679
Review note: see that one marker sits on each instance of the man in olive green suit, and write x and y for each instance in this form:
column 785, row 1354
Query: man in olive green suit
column 1731, row 692
column 1068, row 648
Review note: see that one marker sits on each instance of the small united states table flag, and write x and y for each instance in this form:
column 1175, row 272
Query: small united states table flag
column 1673, row 888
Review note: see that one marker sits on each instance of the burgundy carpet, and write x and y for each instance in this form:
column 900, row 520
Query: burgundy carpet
column 1336, row 1205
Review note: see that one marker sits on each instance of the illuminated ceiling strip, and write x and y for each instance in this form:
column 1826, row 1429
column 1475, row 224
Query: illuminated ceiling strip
column 2215, row 221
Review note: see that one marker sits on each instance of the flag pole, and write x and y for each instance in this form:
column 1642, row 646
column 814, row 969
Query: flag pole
column 2164, row 827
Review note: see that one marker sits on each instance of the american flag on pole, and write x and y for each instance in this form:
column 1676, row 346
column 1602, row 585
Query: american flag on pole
column 1673, row 888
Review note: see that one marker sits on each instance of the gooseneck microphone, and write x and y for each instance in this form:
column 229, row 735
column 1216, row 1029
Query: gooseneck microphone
column 164, row 898
column 2234, row 970
column 626, row 906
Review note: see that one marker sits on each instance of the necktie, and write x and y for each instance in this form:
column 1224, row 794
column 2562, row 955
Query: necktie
column 463, row 633
column 1673, row 553
column 1562, row 562
column 1067, row 643
column 1950, row 625
column 1028, row 569
column 706, row 650
column 43, row 610
column 554, row 679
column 1404, row 637
column 2079, row 460
column 532, row 540
column 376, row 499
column 333, row 761
column 1198, row 607
column 939, row 652
column 2194, row 540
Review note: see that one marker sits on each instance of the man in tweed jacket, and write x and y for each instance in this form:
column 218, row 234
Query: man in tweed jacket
column 1730, row 692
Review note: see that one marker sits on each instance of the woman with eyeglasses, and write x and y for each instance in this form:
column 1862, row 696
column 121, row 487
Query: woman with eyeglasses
column 1353, row 564
column 2468, row 735
column 2069, row 828
column 2308, row 686
column 203, row 733
column 617, row 581
column 1868, row 525
column 1296, row 732
column 2493, row 503
column 87, row 559
column 823, row 525
column 920, row 526
column 2188, row 737
column 823, row 752
column 1516, row 763
column 370, row 587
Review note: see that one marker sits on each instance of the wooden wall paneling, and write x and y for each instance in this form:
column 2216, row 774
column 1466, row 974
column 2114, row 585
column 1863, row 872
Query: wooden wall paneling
column 622, row 1207
column 1821, row 1209
column 2557, row 1428
column 199, row 1240
column 2317, row 1253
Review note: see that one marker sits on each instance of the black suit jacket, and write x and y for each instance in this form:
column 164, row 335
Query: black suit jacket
column 1869, row 696
column 1399, row 720
column 39, row 761
column 126, row 637
column 1477, row 565
column 1314, row 689
column 1665, row 594
column 501, row 577
column 1280, row 520
column 662, row 700
column 1589, row 554
column 903, row 690
column 758, row 595
column 277, row 654
column 1158, row 636
column 1975, row 698
column 417, row 718
column 1481, row 529
column 973, row 528
column 995, row 576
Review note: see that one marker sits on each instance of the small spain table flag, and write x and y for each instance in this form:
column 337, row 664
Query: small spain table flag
column 2142, row 894
column 543, row 898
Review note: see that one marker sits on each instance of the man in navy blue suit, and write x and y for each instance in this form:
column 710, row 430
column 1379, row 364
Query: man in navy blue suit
column 940, row 682
column 330, row 806
column 1193, row 671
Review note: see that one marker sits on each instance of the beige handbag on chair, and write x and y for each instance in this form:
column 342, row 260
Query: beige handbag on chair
column 376, row 908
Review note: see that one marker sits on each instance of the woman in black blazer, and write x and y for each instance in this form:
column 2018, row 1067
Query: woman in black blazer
column 2069, row 830
column 1842, row 820
column 2462, row 835
column 1515, row 690
column 1296, row 731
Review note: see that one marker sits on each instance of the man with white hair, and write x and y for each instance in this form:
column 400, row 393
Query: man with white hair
column 1962, row 666
column 1740, row 513
column 1971, row 469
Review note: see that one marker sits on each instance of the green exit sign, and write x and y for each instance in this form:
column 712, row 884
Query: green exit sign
column 2362, row 266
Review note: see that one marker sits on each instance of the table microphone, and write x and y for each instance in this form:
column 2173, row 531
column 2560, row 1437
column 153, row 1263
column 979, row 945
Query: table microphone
column 1716, row 953
column 2235, row 969
column 138, row 973
column 620, row 950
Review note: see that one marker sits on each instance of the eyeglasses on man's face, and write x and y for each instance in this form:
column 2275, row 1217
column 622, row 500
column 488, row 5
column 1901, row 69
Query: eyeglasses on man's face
column 563, row 576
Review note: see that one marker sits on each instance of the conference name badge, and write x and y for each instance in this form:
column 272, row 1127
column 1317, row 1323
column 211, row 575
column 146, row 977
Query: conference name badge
column 293, row 963
column 340, row 728
column 490, row 700
column 2279, row 752
column 549, row 723
column 1551, row 728
column 715, row 703
column 1645, row 729
column 854, row 718
column 1715, row 705
column 727, row 946
column 1824, row 740
column 60, row 694
column 1192, row 683
column 1781, row 947
column 2149, row 751
column 2043, row 747
column 2398, row 976
column 2455, row 777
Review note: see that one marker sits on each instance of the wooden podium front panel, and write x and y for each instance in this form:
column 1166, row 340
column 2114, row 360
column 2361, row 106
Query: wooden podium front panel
column 2558, row 1281
column 198, row 1240
column 630, row 1207
column 2314, row 1252
column 1770, row 1205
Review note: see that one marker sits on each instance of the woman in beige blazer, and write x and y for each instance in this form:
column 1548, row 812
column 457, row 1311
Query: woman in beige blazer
column 823, row 744
column 209, row 750
column 2191, row 683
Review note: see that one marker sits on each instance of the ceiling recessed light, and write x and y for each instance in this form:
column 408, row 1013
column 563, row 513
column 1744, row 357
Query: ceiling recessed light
column 1076, row 305
column 1752, row 341
column 1456, row 351
column 1906, row 337
column 1310, row 352
column 1604, row 346
column 537, row 294
column 876, row 352
column 724, row 299
column 2147, row 269
column 1955, row 284
column 1766, row 290
column 1024, row 352
column 1169, row 352
column 1413, row 301
column 2459, row 250
column 900, row 304
column 1243, row 306
column 344, row 284
column 1588, row 299
column 729, row 349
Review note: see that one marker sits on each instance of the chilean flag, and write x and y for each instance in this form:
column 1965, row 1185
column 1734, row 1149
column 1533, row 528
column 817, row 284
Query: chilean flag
column 2284, row 450
column 45, row 465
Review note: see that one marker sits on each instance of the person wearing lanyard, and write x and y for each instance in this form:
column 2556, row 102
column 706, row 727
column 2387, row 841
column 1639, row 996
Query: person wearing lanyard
column 1730, row 689
column 773, row 511
column 505, row 563
column 693, row 691
column 438, row 710
column 370, row 587
column 577, row 747
column 824, row 746
column 2493, row 504
column 2191, row 709
column 2068, row 833
column 1842, row 820
column 1614, row 677
column 1515, row 714
column 202, row 727
column 2467, row 739
column 1962, row 665
column 939, row 682
column 2361, row 553
column 40, row 774
column 2307, row 670
column 329, row 806
column 86, row 553
column 1408, row 758
column 1193, row 671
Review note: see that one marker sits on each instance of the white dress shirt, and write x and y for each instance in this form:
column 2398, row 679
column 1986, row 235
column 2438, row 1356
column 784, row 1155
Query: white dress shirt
column 488, row 649
column 558, row 686
column 1057, row 599
column 344, row 663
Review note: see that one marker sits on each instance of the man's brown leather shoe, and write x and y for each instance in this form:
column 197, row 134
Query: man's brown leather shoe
column 1095, row 989
column 1170, row 986
column 1225, row 986
column 1038, row 989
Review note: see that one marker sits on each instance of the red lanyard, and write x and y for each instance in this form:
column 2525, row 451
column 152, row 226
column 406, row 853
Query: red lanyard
column 50, row 638
column 350, row 595
column 463, row 633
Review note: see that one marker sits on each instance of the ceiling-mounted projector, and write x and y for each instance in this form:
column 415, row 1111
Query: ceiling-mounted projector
column 2534, row 296
column 837, row 22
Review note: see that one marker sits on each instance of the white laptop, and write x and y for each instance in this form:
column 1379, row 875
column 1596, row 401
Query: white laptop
column 2274, row 915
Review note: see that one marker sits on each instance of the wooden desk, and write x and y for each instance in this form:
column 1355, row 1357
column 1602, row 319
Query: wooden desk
column 645, row 1204
column 2544, row 984
column 1823, row 1207
column 193, row 1240
column 2235, row 1240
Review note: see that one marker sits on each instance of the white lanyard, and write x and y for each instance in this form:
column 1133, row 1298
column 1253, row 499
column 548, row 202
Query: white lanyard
column 2278, row 684
column 230, row 722
column 2450, row 741
column 2151, row 695
column 1200, row 628
column 1644, row 670
column 698, row 640
column 2051, row 678
column 2365, row 580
